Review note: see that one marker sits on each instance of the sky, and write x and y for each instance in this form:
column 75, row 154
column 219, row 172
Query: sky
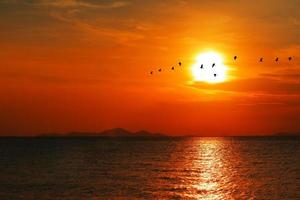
column 83, row 65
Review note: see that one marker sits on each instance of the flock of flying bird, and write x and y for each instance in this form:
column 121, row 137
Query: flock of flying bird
column 214, row 64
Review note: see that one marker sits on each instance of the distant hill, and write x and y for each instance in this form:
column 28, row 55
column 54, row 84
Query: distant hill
column 116, row 132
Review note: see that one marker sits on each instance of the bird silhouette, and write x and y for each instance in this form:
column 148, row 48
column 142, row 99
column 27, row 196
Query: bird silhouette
column 172, row 68
column 179, row 63
column 277, row 59
column 261, row 59
column 215, row 75
column 290, row 58
column 201, row 66
column 159, row 70
column 235, row 57
column 213, row 65
column 151, row 72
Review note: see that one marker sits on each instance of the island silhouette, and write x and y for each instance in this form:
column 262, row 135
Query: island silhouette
column 115, row 132
column 121, row 132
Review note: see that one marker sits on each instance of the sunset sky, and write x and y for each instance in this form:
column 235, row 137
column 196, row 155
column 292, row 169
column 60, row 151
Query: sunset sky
column 83, row 65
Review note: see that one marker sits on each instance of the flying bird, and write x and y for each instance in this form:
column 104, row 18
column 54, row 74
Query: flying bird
column 201, row 66
column 159, row 70
column 151, row 72
column 277, row 59
column 261, row 59
column 179, row 63
column 213, row 65
column 235, row 57
column 215, row 75
column 172, row 68
column 290, row 58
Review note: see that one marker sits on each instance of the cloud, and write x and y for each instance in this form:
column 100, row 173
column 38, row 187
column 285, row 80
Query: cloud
column 84, row 4
column 98, row 32
column 70, row 3
column 291, row 50
column 258, row 85
column 286, row 76
column 260, row 93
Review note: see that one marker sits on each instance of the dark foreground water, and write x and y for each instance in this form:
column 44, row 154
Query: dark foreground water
column 178, row 168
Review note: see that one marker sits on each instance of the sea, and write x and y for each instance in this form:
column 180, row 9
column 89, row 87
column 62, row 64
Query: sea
column 150, row 168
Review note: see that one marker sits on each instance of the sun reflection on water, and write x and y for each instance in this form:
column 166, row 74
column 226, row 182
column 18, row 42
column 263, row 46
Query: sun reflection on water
column 210, row 165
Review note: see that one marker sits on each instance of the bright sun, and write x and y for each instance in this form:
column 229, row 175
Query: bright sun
column 209, row 68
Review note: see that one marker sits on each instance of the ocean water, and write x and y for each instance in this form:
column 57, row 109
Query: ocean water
column 158, row 168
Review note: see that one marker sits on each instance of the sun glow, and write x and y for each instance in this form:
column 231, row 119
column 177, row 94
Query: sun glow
column 209, row 68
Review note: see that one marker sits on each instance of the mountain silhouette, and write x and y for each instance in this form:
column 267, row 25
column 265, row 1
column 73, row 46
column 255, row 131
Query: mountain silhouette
column 116, row 132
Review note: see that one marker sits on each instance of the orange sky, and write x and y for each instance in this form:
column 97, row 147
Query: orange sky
column 84, row 66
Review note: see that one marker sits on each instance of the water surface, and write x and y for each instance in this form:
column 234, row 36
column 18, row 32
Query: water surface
column 141, row 168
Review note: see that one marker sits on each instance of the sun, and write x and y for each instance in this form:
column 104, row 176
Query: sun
column 209, row 68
